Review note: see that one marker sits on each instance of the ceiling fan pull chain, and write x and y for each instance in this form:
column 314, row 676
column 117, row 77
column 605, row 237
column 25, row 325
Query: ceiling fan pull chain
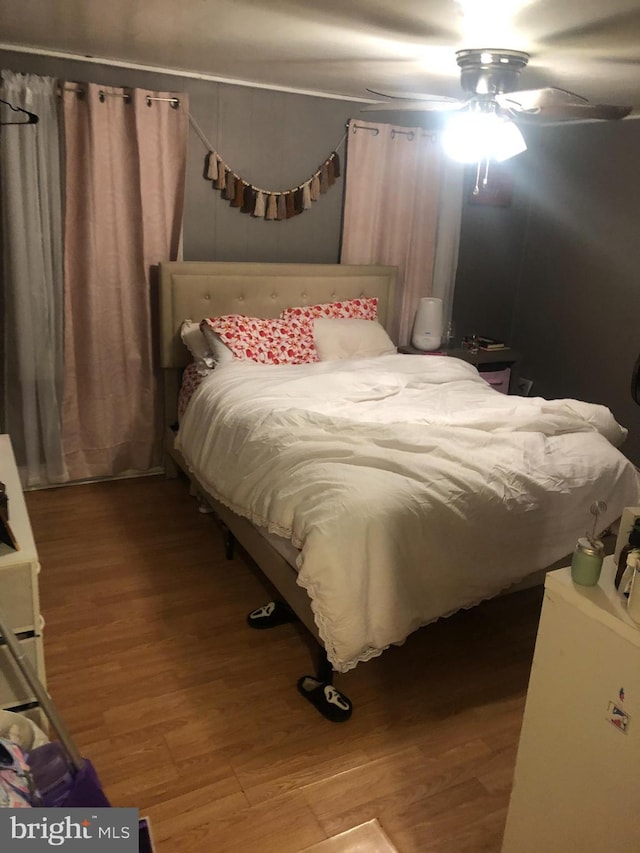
column 476, row 189
column 486, row 172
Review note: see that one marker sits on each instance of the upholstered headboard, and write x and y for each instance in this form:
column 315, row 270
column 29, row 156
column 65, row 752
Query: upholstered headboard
column 191, row 290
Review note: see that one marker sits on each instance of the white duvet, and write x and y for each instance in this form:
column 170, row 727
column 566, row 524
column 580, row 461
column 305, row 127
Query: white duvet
column 410, row 486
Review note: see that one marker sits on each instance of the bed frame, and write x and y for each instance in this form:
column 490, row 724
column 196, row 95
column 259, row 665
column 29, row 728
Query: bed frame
column 192, row 290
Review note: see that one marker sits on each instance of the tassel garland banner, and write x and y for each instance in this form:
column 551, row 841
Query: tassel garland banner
column 270, row 204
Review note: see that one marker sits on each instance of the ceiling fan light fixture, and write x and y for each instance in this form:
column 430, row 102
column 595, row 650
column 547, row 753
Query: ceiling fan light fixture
column 509, row 142
column 476, row 135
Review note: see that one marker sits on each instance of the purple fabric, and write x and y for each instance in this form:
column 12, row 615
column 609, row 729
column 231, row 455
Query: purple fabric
column 57, row 783
column 86, row 790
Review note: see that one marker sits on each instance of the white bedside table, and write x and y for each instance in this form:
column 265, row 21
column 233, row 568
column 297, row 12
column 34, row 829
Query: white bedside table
column 19, row 595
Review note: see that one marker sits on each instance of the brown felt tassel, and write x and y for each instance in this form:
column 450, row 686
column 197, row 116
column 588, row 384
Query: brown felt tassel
column 222, row 176
column 306, row 196
column 248, row 199
column 239, row 194
column 259, row 206
column 290, row 206
column 272, row 207
column 336, row 164
column 229, row 191
column 282, row 207
column 331, row 179
column 297, row 201
column 324, row 178
column 315, row 188
column 212, row 166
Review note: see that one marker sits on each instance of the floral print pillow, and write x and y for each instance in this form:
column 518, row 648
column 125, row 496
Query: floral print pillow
column 302, row 317
column 364, row 308
column 265, row 340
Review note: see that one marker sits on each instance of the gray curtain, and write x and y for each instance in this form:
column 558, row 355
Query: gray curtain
column 32, row 279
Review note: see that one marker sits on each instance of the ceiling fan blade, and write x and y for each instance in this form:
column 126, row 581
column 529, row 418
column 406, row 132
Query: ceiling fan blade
column 532, row 99
column 575, row 112
column 435, row 104
column 396, row 94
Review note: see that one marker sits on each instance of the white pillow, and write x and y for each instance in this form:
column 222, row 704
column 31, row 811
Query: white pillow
column 340, row 339
column 220, row 352
column 195, row 342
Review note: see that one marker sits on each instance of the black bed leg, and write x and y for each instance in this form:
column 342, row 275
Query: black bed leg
column 324, row 671
column 229, row 544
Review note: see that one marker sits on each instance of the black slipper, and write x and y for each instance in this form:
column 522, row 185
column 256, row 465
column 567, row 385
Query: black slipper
column 271, row 614
column 330, row 702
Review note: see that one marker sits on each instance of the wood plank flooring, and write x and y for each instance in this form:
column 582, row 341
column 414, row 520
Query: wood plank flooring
column 194, row 718
column 366, row 838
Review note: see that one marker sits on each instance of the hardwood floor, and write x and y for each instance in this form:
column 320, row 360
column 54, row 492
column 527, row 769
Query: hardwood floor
column 192, row 717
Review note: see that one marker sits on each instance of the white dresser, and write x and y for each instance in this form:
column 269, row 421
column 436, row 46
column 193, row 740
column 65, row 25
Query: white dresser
column 576, row 787
column 19, row 594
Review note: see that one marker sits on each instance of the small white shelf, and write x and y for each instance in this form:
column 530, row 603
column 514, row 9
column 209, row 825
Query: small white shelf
column 19, row 596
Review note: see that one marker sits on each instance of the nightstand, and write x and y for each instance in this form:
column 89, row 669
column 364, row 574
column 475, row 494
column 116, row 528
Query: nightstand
column 493, row 365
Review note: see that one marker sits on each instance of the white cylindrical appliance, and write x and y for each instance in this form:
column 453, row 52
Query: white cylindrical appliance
column 427, row 326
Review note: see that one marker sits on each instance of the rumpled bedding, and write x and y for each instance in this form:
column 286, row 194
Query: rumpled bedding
column 410, row 487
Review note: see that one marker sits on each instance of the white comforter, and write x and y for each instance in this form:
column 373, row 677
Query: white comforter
column 411, row 487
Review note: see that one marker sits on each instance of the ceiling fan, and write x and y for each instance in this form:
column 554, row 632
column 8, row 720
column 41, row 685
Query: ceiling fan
column 489, row 78
column 484, row 124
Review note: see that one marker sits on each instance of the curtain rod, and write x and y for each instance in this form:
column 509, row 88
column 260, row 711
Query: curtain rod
column 410, row 134
column 174, row 102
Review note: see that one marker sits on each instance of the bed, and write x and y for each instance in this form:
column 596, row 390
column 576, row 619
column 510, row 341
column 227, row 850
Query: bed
column 378, row 494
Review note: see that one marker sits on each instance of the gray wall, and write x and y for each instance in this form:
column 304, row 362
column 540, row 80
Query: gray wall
column 491, row 246
column 578, row 302
column 556, row 272
column 273, row 139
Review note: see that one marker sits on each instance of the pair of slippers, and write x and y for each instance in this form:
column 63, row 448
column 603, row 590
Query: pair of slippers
column 331, row 703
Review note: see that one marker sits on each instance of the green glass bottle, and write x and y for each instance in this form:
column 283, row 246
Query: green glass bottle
column 586, row 563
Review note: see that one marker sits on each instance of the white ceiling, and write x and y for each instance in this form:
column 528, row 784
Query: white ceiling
column 341, row 47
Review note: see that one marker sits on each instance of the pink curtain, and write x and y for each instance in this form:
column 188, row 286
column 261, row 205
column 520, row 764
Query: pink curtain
column 392, row 197
column 125, row 170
